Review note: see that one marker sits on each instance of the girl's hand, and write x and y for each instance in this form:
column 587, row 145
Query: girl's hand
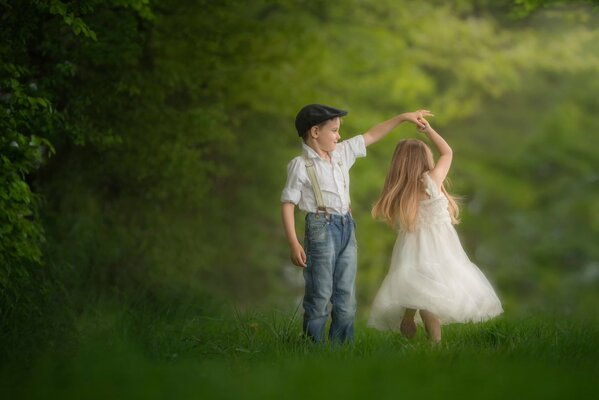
column 424, row 125
column 417, row 116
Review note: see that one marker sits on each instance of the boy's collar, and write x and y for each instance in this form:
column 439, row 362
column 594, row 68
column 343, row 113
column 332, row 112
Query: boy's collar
column 311, row 153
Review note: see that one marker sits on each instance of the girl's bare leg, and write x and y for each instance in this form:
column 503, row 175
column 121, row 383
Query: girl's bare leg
column 408, row 326
column 432, row 325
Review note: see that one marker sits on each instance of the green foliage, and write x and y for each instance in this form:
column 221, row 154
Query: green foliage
column 25, row 116
column 44, row 53
column 524, row 8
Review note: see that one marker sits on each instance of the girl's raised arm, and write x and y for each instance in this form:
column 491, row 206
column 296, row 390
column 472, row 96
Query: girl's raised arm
column 443, row 164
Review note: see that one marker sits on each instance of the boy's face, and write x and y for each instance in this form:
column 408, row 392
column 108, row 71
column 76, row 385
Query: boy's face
column 328, row 134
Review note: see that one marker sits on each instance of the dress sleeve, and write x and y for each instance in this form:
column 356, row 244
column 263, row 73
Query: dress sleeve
column 430, row 185
column 292, row 192
column 353, row 148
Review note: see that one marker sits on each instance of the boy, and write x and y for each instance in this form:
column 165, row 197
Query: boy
column 318, row 182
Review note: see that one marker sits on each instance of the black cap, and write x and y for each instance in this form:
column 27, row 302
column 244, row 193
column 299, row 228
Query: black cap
column 314, row 114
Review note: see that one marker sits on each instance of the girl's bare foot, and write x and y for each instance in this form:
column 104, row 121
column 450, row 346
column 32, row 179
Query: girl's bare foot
column 408, row 326
column 432, row 325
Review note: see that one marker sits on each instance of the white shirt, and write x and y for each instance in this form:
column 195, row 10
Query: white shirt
column 333, row 177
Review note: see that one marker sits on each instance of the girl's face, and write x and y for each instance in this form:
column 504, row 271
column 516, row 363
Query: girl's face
column 328, row 134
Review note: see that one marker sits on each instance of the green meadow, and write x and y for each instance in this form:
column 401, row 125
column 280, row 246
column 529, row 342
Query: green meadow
column 254, row 355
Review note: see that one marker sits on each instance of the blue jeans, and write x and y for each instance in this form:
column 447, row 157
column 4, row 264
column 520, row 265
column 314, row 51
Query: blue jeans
column 330, row 275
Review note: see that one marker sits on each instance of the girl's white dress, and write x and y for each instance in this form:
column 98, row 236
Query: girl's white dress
column 430, row 271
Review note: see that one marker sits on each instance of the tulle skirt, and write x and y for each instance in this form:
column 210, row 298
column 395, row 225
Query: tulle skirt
column 430, row 271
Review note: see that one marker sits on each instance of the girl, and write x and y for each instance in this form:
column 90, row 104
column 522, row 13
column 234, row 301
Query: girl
column 430, row 277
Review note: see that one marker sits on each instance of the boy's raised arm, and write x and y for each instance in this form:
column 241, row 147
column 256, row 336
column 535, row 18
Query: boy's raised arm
column 379, row 131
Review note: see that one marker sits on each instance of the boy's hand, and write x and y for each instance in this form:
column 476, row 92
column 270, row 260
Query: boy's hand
column 298, row 256
column 417, row 118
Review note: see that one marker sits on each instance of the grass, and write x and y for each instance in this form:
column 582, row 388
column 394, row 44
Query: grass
column 124, row 354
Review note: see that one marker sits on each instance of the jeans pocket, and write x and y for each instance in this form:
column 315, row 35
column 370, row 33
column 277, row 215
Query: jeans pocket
column 317, row 230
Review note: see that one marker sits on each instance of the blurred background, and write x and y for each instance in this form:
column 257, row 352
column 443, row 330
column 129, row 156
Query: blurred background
column 144, row 147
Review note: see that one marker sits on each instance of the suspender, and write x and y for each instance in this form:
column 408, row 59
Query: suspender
column 315, row 184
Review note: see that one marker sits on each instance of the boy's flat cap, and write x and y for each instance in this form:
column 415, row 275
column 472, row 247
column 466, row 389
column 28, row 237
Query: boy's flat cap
column 314, row 114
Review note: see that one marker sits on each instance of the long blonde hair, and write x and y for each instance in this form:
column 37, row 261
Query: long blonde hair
column 400, row 198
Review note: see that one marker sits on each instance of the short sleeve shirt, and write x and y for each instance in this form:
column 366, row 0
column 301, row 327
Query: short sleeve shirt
column 333, row 177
